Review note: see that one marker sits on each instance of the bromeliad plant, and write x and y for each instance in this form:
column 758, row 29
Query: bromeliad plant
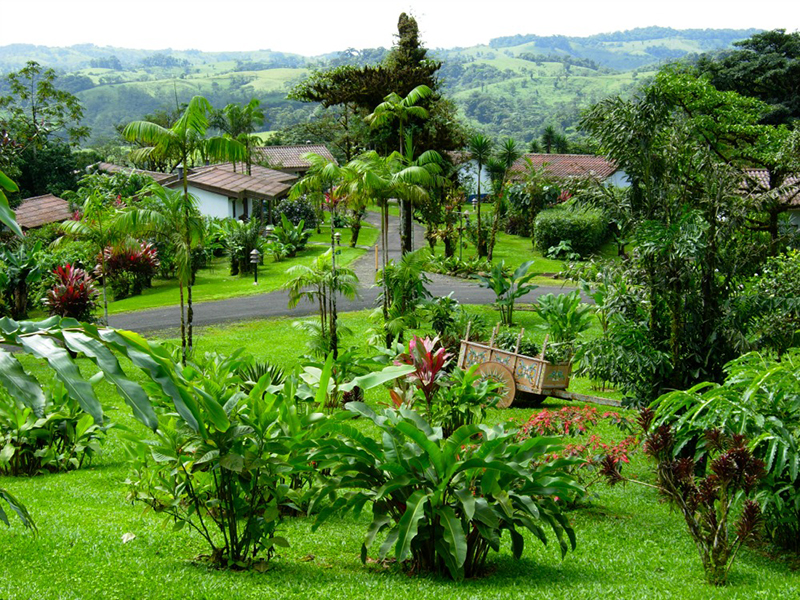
column 293, row 237
column 74, row 294
column 442, row 503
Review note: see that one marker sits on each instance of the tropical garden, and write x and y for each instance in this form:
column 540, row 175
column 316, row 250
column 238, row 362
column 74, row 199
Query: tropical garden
column 356, row 454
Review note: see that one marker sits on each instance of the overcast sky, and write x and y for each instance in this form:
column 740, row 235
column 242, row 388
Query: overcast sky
column 314, row 27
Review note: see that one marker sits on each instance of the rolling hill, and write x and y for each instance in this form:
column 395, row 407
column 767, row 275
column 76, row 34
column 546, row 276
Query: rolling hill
column 511, row 87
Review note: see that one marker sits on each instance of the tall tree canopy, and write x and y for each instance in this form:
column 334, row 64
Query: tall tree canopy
column 39, row 125
column 765, row 66
column 362, row 88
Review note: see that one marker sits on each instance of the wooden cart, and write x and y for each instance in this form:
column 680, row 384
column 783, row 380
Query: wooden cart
column 531, row 375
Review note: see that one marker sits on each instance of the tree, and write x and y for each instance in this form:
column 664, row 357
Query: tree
column 683, row 144
column 181, row 143
column 239, row 123
column 96, row 225
column 765, row 66
column 400, row 109
column 501, row 167
column 7, row 217
column 41, row 123
column 480, row 147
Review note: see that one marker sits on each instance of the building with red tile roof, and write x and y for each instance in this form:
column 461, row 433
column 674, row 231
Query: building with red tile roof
column 565, row 166
column 41, row 210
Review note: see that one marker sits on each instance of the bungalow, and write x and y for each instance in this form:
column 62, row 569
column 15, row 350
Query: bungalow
column 289, row 159
column 572, row 166
column 41, row 210
column 222, row 190
column 558, row 166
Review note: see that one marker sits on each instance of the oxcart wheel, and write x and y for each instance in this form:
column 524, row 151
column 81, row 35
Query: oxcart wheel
column 499, row 373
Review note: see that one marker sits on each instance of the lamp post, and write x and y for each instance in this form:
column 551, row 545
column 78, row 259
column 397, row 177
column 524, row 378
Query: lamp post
column 475, row 201
column 269, row 230
column 255, row 258
column 338, row 237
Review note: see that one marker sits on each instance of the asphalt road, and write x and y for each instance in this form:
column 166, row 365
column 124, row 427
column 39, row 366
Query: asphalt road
column 274, row 304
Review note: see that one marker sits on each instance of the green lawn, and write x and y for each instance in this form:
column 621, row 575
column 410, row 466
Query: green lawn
column 216, row 282
column 367, row 235
column 630, row 545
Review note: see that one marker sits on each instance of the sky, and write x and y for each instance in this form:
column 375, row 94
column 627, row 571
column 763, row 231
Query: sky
column 312, row 27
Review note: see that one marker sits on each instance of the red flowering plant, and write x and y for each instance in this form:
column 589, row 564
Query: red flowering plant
column 594, row 452
column 73, row 295
column 430, row 363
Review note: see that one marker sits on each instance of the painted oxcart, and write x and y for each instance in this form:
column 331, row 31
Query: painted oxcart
column 530, row 376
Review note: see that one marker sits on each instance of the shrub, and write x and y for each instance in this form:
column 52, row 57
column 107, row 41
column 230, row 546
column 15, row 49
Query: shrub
column 223, row 479
column 61, row 438
column 444, row 502
column 471, row 231
column 565, row 316
column 508, row 288
column 298, row 210
column 585, row 228
column 73, row 295
column 294, row 237
column 130, row 268
column 240, row 239
column 706, row 503
column 578, row 422
column 507, row 340
column 463, row 399
column 760, row 399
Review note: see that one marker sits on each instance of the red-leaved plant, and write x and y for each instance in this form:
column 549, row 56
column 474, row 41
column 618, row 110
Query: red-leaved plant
column 594, row 452
column 430, row 363
column 709, row 503
column 73, row 295
column 130, row 268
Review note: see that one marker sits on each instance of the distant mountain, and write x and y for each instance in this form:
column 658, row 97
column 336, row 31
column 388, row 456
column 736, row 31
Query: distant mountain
column 513, row 86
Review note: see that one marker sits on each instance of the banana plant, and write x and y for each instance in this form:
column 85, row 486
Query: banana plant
column 16, row 506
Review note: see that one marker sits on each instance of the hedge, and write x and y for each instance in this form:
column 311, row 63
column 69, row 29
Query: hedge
column 586, row 228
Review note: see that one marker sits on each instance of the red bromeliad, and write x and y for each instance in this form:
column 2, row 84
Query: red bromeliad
column 429, row 361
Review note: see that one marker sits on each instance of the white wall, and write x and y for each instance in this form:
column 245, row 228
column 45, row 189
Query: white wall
column 619, row 179
column 467, row 176
column 211, row 204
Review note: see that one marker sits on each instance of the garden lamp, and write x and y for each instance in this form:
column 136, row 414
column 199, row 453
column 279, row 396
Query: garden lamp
column 255, row 257
column 338, row 237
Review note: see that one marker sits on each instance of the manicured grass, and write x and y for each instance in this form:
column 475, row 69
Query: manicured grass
column 367, row 235
column 216, row 282
column 630, row 545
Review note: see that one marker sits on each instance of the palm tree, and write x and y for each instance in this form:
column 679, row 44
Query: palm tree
column 509, row 154
column 395, row 107
column 549, row 138
column 182, row 141
column 239, row 123
column 324, row 176
column 480, row 148
column 99, row 226
column 320, row 283
column 166, row 223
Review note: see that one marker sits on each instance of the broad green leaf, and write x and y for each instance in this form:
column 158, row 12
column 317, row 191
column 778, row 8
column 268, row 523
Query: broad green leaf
column 430, row 448
column 324, row 379
column 132, row 393
column 409, row 524
column 517, row 543
column 374, row 379
column 19, row 384
column 66, row 370
column 467, row 500
column 454, row 537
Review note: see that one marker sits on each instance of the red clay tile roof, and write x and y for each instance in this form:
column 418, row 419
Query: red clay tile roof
column 790, row 194
column 263, row 183
column 41, row 210
column 290, row 157
column 567, row 165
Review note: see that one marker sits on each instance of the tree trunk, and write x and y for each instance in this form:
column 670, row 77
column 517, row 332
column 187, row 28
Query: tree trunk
column 183, row 325
column 354, row 231
column 407, row 216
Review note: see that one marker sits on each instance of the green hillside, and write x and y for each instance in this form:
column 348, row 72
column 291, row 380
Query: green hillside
column 513, row 86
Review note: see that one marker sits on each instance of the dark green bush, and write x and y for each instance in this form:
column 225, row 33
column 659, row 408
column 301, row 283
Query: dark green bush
column 586, row 228
column 298, row 210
